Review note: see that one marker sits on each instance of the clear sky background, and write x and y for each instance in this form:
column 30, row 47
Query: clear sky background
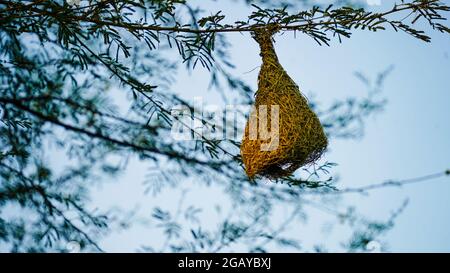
column 410, row 138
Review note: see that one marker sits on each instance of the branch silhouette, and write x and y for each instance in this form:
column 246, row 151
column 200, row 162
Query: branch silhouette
column 314, row 22
column 392, row 183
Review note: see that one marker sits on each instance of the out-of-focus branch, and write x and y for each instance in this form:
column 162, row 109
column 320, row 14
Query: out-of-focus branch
column 391, row 183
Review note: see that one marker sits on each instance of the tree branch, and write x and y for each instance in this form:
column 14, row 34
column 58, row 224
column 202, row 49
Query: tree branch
column 391, row 183
column 98, row 135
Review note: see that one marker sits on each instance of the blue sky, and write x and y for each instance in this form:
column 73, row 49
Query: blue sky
column 410, row 138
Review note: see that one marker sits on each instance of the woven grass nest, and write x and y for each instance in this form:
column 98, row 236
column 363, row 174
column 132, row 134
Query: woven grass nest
column 301, row 138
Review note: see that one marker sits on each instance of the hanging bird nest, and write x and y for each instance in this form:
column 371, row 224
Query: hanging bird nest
column 282, row 132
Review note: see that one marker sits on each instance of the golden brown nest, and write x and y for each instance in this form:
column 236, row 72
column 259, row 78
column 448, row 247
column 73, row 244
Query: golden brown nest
column 301, row 138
